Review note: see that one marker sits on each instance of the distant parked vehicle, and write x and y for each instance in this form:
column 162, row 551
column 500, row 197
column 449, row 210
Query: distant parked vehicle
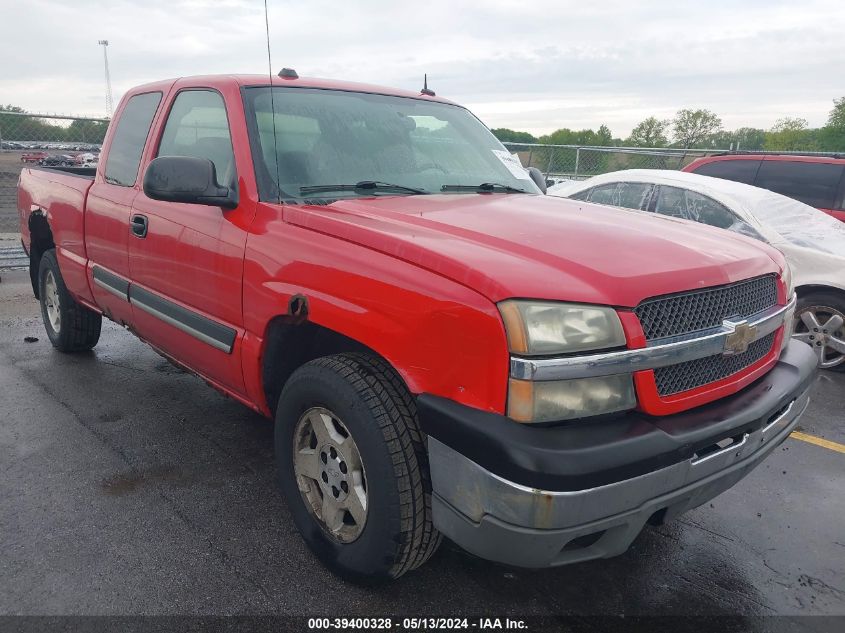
column 814, row 243
column 63, row 160
column 84, row 160
column 818, row 181
column 34, row 157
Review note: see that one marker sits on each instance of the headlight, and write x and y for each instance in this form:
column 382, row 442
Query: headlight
column 537, row 328
column 556, row 400
column 541, row 328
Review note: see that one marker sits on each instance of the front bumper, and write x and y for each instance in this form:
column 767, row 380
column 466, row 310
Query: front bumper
column 539, row 497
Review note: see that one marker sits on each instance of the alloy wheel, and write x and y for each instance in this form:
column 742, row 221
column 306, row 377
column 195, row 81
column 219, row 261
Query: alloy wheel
column 822, row 328
column 330, row 474
column 51, row 301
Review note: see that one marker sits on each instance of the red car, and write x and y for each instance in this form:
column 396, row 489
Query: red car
column 444, row 350
column 818, row 181
column 34, row 157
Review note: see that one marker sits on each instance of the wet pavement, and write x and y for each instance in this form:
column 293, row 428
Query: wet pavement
column 130, row 487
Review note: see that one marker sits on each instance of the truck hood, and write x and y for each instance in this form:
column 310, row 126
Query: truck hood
column 511, row 245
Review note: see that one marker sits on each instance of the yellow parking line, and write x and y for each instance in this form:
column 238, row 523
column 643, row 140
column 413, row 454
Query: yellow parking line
column 818, row 441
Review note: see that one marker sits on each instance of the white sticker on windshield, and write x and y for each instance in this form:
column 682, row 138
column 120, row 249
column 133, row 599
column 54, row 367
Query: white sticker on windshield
column 511, row 161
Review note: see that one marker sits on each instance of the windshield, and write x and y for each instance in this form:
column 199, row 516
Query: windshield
column 333, row 137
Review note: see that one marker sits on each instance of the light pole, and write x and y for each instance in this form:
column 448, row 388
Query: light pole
column 109, row 104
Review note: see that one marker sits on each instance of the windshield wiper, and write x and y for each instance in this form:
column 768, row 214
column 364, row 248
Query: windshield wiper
column 484, row 187
column 364, row 185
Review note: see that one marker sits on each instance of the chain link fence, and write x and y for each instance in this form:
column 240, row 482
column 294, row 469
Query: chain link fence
column 576, row 162
column 45, row 139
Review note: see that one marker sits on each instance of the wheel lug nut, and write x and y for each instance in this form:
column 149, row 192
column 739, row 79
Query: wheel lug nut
column 333, row 452
column 335, row 492
column 324, row 457
column 343, row 468
column 325, row 477
column 812, row 338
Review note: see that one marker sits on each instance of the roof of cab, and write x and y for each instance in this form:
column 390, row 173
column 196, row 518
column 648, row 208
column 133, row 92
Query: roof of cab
column 299, row 82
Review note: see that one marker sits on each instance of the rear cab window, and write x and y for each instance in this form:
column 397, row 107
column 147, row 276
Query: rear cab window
column 130, row 136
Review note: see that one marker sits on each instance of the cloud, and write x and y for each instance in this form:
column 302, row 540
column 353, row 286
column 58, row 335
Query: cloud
column 537, row 66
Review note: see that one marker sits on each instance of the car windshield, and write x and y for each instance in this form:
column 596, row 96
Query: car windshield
column 307, row 139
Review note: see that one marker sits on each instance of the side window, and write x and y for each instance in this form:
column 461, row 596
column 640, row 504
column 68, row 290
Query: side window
column 697, row 207
column 633, row 195
column 811, row 183
column 671, row 201
column 197, row 126
column 582, row 195
column 736, row 169
column 129, row 138
column 604, row 194
column 706, row 210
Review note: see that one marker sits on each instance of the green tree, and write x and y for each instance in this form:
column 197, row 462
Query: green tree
column 831, row 138
column 604, row 136
column 836, row 119
column 512, row 136
column 790, row 134
column 650, row 132
column 691, row 127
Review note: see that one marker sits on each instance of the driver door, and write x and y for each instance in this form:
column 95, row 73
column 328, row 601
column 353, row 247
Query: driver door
column 186, row 260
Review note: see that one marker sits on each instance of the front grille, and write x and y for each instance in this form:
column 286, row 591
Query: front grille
column 672, row 315
column 695, row 373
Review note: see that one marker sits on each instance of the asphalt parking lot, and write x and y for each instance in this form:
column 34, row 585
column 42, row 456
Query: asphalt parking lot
column 130, row 487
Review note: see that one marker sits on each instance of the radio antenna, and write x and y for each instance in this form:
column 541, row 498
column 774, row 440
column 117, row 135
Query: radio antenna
column 272, row 103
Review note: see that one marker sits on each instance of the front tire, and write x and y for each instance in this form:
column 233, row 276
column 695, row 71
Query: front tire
column 353, row 467
column 71, row 327
column 820, row 323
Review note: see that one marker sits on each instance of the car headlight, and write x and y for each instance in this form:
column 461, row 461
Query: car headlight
column 541, row 328
column 544, row 328
column 558, row 400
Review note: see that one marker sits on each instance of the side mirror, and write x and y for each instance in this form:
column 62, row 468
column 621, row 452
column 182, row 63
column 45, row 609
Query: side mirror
column 187, row 179
column 538, row 178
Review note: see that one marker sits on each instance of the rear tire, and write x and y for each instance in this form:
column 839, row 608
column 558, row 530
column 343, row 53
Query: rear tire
column 820, row 323
column 346, row 425
column 71, row 327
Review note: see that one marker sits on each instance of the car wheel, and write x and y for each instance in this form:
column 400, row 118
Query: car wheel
column 820, row 322
column 71, row 327
column 353, row 467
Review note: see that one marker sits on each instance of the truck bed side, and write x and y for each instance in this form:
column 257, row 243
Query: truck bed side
column 51, row 206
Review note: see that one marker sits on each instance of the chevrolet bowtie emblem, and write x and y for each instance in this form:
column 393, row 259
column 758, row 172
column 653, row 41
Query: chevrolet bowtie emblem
column 740, row 336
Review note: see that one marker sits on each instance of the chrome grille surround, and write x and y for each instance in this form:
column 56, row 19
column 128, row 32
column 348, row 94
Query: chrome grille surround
column 678, row 314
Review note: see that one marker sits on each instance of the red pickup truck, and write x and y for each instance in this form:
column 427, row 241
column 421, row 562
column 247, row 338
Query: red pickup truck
column 444, row 350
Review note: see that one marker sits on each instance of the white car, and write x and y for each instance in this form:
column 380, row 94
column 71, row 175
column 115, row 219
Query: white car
column 813, row 242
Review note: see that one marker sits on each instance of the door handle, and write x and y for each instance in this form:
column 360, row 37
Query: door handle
column 139, row 225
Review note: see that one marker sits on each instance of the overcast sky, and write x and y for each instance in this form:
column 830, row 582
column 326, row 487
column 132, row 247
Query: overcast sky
column 527, row 65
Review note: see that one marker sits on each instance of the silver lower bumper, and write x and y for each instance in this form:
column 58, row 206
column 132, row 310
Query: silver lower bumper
column 503, row 521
